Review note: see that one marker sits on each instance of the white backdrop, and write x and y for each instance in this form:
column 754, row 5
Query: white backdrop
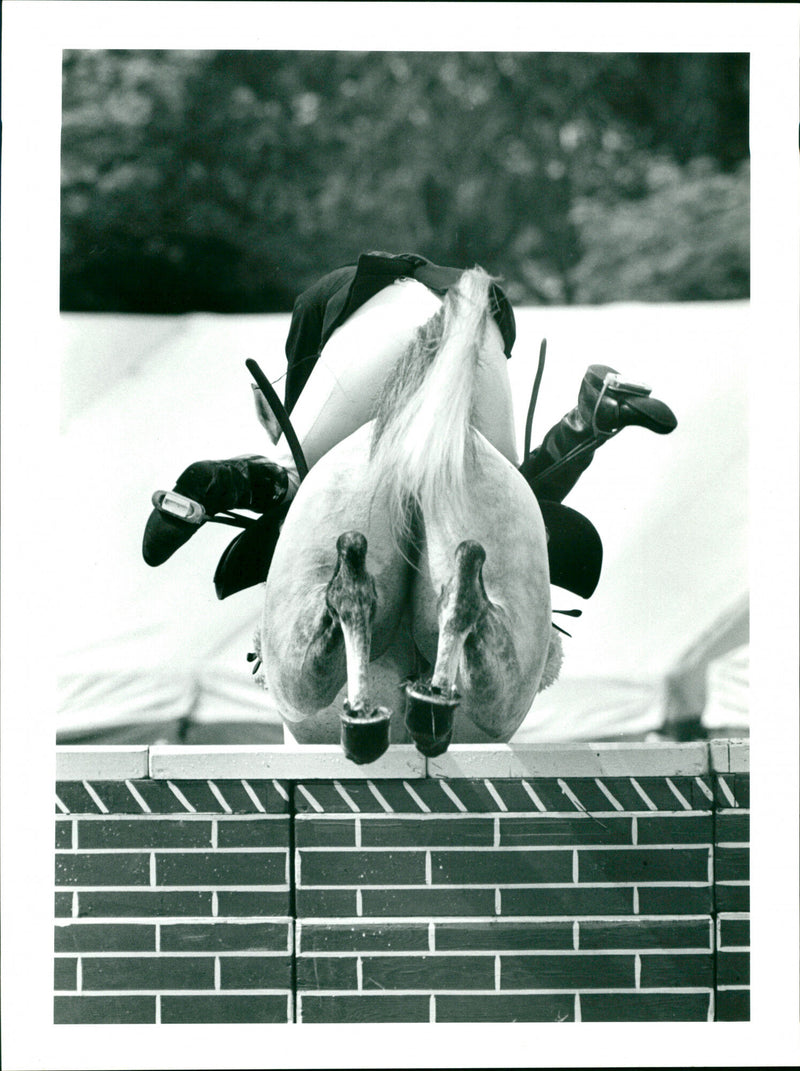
column 142, row 397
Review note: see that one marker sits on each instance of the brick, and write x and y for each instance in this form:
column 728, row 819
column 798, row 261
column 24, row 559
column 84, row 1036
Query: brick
column 643, row 864
column 110, row 937
column 272, row 799
column 327, row 903
column 75, row 798
column 149, row 972
column 143, row 833
column 362, row 868
column 231, row 761
column 364, row 937
column 500, row 867
column 199, row 793
column 226, row 1008
column 150, row 903
column 568, row 900
column 732, row 864
column 590, row 796
column 395, row 793
column 221, row 868
column 254, row 833
column 734, row 933
column 733, row 968
column 644, row 1007
column 254, row 972
column 732, row 1006
column 428, row 972
column 675, row 829
column 65, row 973
column 119, row 799
column 677, row 970
column 570, row 760
column 372, row 1008
column 106, row 868
column 158, row 796
column 675, row 900
column 545, row 829
column 92, row 1010
column 512, row 792
column 274, row 795
column 646, row 933
column 93, row 762
column 365, row 800
column 427, row 832
column 324, row 832
column 472, row 793
column 427, row 902
column 505, row 1008
column 64, row 833
column 659, row 793
column 326, row 972
column 263, row 903
column 326, row 796
column 732, row 897
column 500, row 934
column 567, row 972
column 63, row 905
column 733, row 827
column 738, row 786
column 225, row 937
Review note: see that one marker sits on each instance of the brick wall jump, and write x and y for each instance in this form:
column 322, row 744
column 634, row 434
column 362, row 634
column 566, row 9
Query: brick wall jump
column 508, row 883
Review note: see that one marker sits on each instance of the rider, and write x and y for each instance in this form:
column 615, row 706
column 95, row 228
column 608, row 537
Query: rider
column 606, row 404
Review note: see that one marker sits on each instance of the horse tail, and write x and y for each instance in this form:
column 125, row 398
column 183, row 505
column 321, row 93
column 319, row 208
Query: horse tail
column 423, row 426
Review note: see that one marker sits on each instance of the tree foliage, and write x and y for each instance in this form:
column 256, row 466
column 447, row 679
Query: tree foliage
column 229, row 181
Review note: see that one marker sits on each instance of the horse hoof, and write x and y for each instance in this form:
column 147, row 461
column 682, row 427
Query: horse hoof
column 429, row 717
column 364, row 739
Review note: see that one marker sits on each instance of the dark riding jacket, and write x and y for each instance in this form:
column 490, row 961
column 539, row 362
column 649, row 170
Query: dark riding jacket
column 326, row 305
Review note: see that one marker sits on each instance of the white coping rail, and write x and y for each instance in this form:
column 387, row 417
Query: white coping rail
column 401, row 761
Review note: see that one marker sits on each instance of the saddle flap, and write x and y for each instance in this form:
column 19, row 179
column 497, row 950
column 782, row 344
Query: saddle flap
column 574, row 549
column 246, row 560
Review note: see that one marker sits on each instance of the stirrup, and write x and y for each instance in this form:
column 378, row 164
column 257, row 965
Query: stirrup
column 185, row 509
column 173, row 504
column 617, row 387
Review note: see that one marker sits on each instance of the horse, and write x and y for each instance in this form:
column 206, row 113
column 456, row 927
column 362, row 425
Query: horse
column 411, row 570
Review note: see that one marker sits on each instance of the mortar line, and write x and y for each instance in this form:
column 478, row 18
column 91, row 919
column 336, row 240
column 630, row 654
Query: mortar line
column 292, row 906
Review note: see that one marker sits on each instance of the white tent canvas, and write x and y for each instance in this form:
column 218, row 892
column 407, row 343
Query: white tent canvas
column 142, row 397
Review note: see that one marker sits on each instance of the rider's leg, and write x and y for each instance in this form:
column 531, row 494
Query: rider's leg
column 346, row 381
column 339, row 397
column 606, row 405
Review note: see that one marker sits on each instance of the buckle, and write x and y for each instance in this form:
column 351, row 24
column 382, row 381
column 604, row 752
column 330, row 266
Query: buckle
column 614, row 381
column 176, row 505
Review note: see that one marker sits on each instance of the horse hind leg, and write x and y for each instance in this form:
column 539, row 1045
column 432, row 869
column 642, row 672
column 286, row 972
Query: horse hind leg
column 463, row 609
column 351, row 601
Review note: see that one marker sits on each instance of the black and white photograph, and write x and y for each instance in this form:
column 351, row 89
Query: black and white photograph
column 400, row 533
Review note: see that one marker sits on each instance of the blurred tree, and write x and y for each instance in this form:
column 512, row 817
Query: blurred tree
column 228, row 181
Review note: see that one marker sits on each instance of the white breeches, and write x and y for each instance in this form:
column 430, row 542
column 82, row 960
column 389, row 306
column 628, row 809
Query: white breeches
column 342, row 391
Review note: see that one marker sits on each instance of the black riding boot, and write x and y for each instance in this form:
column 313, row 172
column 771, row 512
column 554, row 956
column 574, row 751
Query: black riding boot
column 606, row 405
column 206, row 488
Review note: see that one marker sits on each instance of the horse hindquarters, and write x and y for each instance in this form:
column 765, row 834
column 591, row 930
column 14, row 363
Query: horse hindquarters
column 482, row 601
column 333, row 596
